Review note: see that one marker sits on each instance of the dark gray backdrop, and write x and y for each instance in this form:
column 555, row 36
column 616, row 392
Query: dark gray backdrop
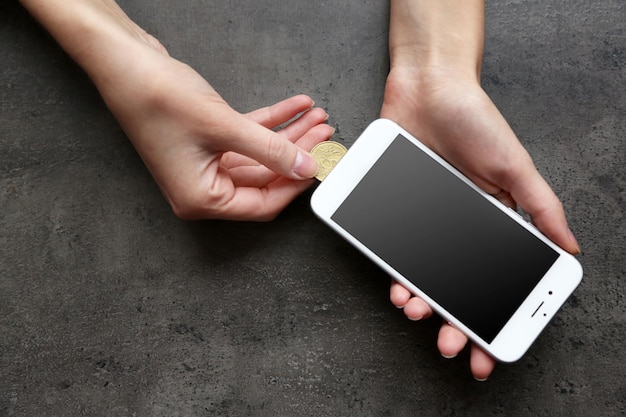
column 111, row 306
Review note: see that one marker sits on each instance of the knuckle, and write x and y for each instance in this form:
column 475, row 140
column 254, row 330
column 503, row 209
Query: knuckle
column 275, row 148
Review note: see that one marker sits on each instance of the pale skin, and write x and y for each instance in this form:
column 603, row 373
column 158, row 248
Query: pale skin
column 211, row 161
column 433, row 90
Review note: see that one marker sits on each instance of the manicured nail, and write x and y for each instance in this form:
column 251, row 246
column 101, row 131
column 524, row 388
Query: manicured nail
column 305, row 166
column 573, row 239
column 416, row 318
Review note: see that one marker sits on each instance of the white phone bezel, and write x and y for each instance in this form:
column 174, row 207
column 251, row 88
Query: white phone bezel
column 533, row 314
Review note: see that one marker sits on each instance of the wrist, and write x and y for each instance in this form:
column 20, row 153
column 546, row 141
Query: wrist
column 437, row 39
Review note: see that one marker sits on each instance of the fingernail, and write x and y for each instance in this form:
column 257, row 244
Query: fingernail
column 415, row 318
column 573, row 239
column 449, row 356
column 480, row 379
column 305, row 166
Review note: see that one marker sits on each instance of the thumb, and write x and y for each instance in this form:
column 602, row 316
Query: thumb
column 272, row 150
column 535, row 197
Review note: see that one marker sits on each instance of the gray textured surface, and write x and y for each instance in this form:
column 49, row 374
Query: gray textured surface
column 110, row 306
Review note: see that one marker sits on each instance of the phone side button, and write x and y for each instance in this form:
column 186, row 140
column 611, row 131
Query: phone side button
column 516, row 213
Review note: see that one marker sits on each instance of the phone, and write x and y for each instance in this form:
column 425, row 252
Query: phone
column 475, row 261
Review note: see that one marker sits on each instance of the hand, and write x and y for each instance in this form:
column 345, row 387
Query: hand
column 454, row 116
column 212, row 162
column 433, row 91
column 208, row 175
column 209, row 160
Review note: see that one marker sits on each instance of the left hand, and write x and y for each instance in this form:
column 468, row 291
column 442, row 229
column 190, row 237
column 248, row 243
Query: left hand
column 209, row 160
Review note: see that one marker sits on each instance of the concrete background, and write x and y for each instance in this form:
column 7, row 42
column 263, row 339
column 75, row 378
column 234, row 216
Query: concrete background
column 111, row 306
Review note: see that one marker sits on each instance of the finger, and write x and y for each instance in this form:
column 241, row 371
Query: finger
column 414, row 307
column 304, row 139
column 260, row 204
column 257, row 176
column 450, row 341
column 417, row 309
column 398, row 294
column 270, row 149
column 246, row 172
column 506, row 199
column 234, row 160
column 481, row 363
column 281, row 112
column 316, row 134
column 304, row 123
column 535, row 196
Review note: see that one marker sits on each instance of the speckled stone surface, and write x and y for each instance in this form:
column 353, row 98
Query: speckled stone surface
column 111, row 306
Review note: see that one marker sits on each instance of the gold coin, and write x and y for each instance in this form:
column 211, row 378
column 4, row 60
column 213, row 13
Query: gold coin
column 327, row 154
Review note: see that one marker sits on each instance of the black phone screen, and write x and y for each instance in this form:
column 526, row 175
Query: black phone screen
column 444, row 237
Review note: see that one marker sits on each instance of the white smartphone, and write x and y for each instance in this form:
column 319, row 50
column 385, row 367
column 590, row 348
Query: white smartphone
column 475, row 261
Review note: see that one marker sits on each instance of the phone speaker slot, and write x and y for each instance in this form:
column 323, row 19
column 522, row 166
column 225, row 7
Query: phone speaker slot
column 533, row 315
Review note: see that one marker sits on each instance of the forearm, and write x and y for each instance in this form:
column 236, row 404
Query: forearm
column 97, row 34
column 442, row 35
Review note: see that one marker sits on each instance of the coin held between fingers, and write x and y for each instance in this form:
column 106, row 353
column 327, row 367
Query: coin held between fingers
column 327, row 154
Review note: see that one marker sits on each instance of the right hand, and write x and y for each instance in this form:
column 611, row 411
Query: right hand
column 456, row 118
